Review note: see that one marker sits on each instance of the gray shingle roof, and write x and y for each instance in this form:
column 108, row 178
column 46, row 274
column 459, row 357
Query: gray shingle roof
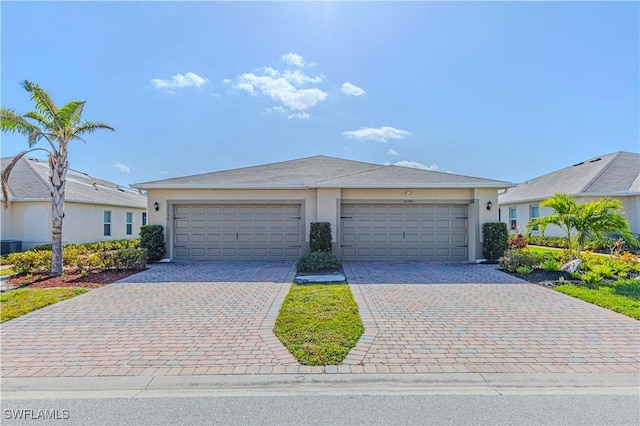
column 324, row 172
column 606, row 175
column 29, row 180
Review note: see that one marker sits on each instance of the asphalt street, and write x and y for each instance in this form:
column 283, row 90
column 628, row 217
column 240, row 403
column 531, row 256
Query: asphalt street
column 452, row 409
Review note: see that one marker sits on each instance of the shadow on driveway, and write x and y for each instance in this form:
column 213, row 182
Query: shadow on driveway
column 227, row 271
column 424, row 272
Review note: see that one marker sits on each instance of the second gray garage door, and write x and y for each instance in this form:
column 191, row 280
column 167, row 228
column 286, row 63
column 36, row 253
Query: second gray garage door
column 404, row 231
column 209, row 232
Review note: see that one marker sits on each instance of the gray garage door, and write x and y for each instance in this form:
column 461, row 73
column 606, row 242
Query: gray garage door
column 404, row 232
column 237, row 232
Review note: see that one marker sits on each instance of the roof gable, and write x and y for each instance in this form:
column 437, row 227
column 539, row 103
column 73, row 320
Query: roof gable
column 29, row 180
column 611, row 174
column 322, row 172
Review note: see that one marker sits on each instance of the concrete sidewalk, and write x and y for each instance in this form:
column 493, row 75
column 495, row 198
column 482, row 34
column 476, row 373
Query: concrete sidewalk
column 317, row 384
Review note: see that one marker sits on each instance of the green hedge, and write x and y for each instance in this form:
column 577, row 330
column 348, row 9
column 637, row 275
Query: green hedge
column 152, row 239
column 75, row 260
column 495, row 240
column 320, row 236
column 318, row 261
column 130, row 243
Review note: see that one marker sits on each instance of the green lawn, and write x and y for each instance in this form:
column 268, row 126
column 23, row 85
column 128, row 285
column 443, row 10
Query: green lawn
column 319, row 323
column 621, row 296
column 18, row 302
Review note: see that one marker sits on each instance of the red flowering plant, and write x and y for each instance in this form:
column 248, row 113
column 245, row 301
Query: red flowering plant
column 517, row 242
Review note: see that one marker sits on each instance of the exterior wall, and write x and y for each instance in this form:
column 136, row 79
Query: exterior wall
column 324, row 205
column 30, row 222
column 630, row 205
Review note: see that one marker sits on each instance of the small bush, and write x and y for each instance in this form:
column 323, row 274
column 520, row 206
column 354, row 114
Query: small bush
column 603, row 270
column 96, row 246
column 74, row 260
column 517, row 258
column 320, row 236
column 524, row 270
column 495, row 240
column 318, row 261
column 550, row 265
column 30, row 261
column 591, row 277
column 517, row 242
column 152, row 239
column 124, row 259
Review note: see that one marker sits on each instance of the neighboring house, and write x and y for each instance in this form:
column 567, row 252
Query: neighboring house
column 375, row 211
column 615, row 175
column 95, row 210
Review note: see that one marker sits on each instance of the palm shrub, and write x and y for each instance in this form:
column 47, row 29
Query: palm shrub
column 495, row 240
column 152, row 239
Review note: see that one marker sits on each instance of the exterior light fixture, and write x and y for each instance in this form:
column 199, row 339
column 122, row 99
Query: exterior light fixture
column 156, row 206
column 489, row 204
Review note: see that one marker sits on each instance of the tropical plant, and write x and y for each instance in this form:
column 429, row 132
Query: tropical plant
column 57, row 126
column 524, row 270
column 584, row 220
column 591, row 277
column 550, row 265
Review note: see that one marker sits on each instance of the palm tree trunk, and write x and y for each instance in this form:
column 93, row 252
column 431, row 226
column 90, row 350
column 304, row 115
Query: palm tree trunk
column 58, row 166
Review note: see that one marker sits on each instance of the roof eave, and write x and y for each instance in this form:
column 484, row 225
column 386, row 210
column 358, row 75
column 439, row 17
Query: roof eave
column 469, row 185
column 576, row 194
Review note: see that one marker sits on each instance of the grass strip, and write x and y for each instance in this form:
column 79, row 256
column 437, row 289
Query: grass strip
column 621, row 296
column 15, row 303
column 319, row 323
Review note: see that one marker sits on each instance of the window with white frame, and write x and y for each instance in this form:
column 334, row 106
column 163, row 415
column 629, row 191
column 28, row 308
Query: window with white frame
column 107, row 223
column 534, row 213
column 129, row 223
column 513, row 223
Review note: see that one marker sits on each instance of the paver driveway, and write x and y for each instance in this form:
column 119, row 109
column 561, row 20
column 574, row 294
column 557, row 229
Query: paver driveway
column 461, row 326
column 139, row 327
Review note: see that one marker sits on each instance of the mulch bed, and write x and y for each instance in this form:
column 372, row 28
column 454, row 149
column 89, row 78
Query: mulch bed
column 92, row 280
column 549, row 279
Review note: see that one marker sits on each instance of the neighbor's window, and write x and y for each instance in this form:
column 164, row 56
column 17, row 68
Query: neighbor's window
column 129, row 230
column 107, row 223
column 513, row 225
column 534, row 214
column 144, row 218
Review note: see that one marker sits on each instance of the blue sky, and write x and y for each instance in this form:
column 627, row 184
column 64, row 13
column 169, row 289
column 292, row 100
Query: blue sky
column 501, row 90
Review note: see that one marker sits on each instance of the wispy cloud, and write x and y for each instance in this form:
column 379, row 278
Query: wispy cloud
column 179, row 81
column 377, row 134
column 293, row 59
column 290, row 88
column 121, row 167
column 352, row 89
column 415, row 165
column 300, row 115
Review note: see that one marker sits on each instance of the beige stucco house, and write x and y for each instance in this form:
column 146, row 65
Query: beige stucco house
column 95, row 210
column 376, row 211
column 615, row 175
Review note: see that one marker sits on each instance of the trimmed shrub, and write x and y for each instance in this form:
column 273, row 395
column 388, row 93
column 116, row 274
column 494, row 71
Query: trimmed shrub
column 97, row 246
column 318, row 261
column 320, row 237
column 30, row 261
column 516, row 258
column 152, row 239
column 124, row 259
column 495, row 240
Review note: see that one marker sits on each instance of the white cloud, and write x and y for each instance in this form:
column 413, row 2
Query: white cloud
column 121, row 167
column 301, row 115
column 379, row 134
column 293, row 59
column 352, row 89
column 392, row 152
column 179, row 81
column 285, row 88
column 226, row 81
column 415, row 165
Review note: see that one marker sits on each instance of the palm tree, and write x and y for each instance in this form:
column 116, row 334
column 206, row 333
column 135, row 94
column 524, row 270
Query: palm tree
column 57, row 126
column 589, row 220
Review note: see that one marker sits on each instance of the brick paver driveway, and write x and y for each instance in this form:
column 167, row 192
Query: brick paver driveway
column 193, row 325
column 465, row 325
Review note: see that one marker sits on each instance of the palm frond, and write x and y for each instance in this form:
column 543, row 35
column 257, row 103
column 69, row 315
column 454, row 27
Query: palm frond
column 90, row 127
column 71, row 112
column 43, row 102
column 12, row 122
column 6, row 172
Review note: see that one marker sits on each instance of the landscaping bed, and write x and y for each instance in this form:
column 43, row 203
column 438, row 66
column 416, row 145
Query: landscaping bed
column 78, row 280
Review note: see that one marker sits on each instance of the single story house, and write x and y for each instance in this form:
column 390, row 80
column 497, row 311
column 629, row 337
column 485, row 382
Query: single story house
column 95, row 210
column 615, row 175
column 376, row 211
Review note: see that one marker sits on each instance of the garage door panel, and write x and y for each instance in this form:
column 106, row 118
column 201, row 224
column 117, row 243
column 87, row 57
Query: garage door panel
column 240, row 231
column 404, row 231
